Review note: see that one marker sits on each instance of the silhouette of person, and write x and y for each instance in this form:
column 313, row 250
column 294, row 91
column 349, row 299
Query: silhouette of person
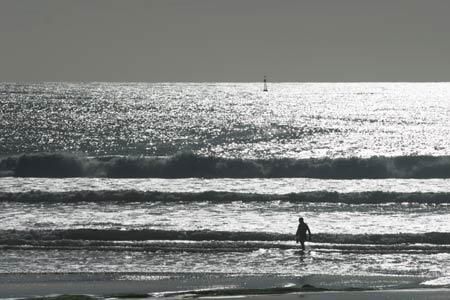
column 300, row 235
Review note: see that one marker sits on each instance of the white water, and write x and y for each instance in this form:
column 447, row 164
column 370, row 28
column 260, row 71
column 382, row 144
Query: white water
column 243, row 185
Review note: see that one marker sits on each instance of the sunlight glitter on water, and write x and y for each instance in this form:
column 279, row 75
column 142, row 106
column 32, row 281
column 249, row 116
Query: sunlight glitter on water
column 238, row 185
column 282, row 262
column 299, row 120
column 234, row 216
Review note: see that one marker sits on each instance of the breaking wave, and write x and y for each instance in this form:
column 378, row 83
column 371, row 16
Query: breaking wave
column 371, row 197
column 186, row 165
column 68, row 236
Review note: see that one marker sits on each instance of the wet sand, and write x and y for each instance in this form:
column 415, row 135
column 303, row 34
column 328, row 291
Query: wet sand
column 35, row 285
column 416, row 294
column 11, row 290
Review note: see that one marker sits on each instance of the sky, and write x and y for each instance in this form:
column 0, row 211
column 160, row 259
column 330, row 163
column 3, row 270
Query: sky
column 227, row 40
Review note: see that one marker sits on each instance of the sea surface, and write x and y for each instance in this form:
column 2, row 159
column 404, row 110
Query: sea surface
column 163, row 180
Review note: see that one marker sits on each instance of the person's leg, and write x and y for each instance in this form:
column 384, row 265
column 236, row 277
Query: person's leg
column 303, row 244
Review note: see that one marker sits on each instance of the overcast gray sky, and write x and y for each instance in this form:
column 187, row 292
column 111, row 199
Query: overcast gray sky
column 228, row 40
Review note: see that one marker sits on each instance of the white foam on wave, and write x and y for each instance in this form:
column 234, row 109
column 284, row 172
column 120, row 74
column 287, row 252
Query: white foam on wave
column 441, row 281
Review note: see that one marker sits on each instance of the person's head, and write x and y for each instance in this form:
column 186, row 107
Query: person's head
column 300, row 220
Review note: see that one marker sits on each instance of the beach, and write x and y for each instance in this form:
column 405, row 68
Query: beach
column 198, row 286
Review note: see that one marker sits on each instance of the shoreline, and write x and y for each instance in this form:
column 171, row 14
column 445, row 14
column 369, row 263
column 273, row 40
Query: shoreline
column 214, row 286
column 135, row 290
column 410, row 294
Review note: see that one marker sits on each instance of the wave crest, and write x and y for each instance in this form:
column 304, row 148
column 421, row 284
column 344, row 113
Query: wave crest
column 374, row 197
column 87, row 234
column 184, row 165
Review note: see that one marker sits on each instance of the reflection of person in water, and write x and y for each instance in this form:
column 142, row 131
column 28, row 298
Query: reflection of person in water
column 300, row 235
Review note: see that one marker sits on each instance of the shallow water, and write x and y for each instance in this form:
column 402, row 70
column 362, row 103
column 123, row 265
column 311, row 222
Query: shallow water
column 271, row 261
column 273, row 216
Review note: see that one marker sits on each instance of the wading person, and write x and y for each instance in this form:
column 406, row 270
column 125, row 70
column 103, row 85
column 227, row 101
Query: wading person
column 300, row 235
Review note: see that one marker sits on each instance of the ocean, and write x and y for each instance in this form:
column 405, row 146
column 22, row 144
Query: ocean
column 194, row 186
